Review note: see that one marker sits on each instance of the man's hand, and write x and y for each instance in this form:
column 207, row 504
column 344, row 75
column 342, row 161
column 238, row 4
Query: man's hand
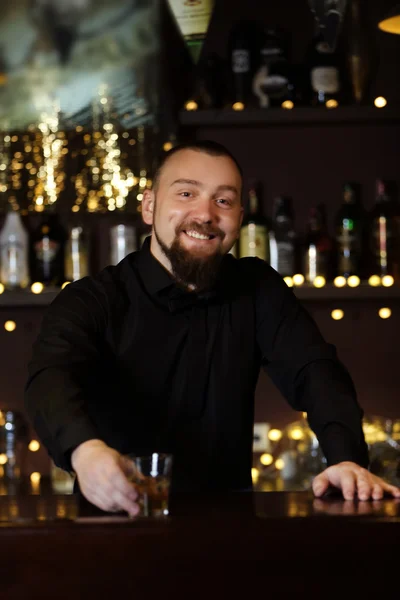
column 103, row 477
column 354, row 481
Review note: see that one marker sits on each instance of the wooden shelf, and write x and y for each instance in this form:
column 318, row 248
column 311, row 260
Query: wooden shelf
column 26, row 299
column 363, row 292
column 348, row 115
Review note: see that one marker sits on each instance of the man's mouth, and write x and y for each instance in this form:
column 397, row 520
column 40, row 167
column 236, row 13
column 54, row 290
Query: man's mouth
column 199, row 236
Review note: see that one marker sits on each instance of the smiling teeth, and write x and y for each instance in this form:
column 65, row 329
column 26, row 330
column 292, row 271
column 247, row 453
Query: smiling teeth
column 199, row 236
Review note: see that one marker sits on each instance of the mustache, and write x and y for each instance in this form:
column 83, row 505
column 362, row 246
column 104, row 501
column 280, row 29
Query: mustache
column 202, row 229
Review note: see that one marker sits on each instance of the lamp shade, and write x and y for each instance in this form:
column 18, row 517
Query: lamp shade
column 391, row 23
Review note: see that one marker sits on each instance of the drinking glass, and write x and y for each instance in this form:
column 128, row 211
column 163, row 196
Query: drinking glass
column 152, row 481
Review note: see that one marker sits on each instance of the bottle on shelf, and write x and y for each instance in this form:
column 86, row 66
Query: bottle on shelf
column 76, row 254
column 361, row 53
column 14, row 243
column 317, row 258
column 209, row 84
column 254, row 233
column 325, row 73
column 273, row 83
column 349, row 233
column 123, row 241
column 385, row 233
column 47, row 250
column 244, row 49
column 282, row 242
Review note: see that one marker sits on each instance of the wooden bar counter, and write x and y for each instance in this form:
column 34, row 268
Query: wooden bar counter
column 211, row 546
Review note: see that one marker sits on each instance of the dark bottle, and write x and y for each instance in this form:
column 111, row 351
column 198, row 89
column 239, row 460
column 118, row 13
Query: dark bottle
column 317, row 259
column 273, row 83
column 384, row 233
column 244, row 52
column 47, row 246
column 282, row 242
column 324, row 73
column 349, row 233
column 254, row 233
column 361, row 54
column 210, row 85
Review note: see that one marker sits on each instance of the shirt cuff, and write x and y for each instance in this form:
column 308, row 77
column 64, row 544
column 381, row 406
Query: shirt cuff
column 339, row 444
column 72, row 436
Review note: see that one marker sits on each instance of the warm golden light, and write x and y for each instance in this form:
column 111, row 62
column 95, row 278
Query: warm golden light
column 385, row 313
column 35, row 477
column 10, row 326
column 280, row 464
column 167, row 146
column 3, row 459
column 387, row 281
column 319, row 281
column 331, row 103
column 1, row 288
column 353, row 281
column 337, row 314
column 392, row 23
column 274, row 435
column 191, row 105
column 374, row 280
column 380, row 102
column 288, row 281
column 238, row 106
column 381, row 436
column 37, row 287
column 287, row 105
column 255, row 474
column 64, row 285
column 266, row 459
column 298, row 279
column 34, row 446
column 339, row 281
column 296, row 434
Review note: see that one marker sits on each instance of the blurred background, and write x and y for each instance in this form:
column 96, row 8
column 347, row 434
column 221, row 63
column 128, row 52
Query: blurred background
column 306, row 95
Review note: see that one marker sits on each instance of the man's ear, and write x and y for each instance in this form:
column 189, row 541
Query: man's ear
column 148, row 206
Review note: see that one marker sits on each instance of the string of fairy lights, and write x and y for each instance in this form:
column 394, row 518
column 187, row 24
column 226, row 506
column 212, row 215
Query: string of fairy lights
column 107, row 170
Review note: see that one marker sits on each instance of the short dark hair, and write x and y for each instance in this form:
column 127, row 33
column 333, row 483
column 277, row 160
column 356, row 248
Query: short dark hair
column 206, row 146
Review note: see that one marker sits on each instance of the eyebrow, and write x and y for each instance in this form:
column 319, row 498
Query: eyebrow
column 226, row 187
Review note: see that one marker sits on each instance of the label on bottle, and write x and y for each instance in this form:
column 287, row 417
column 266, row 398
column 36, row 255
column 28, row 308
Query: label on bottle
column 315, row 263
column 76, row 260
column 349, row 250
column 382, row 242
column 46, row 250
column 285, row 259
column 254, row 241
column 192, row 16
column 14, row 264
column 325, row 79
column 123, row 242
column 240, row 61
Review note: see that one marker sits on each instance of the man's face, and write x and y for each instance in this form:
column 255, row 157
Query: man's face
column 196, row 215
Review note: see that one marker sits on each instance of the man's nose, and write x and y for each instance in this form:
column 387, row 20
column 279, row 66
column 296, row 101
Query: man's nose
column 205, row 211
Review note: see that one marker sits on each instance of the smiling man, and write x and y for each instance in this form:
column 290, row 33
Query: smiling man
column 162, row 352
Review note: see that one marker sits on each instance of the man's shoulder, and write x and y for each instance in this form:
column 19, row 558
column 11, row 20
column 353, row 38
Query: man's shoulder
column 252, row 269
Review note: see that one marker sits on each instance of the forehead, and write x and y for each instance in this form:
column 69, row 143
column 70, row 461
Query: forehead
column 192, row 164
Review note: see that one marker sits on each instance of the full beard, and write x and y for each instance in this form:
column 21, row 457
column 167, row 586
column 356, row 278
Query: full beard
column 201, row 272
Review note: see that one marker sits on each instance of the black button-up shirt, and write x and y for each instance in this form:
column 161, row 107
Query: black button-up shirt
column 130, row 358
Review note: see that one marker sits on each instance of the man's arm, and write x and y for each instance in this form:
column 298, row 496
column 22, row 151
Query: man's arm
column 67, row 350
column 307, row 370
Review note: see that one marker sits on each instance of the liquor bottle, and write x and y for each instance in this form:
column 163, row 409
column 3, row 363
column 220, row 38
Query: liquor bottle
column 123, row 242
column 47, row 247
column 324, row 72
column 76, row 254
column 254, row 233
column 349, row 233
column 318, row 247
column 282, row 237
column 384, row 233
column 14, row 252
column 273, row 82
column 209, row 85
column 361, row 53
column 244, row 52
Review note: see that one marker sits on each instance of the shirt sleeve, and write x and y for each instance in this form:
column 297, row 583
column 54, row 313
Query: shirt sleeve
column 67, row 347
column 307, row 370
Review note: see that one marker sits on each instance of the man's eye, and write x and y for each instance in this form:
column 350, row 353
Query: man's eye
column 185, row 194
column 223, row 201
